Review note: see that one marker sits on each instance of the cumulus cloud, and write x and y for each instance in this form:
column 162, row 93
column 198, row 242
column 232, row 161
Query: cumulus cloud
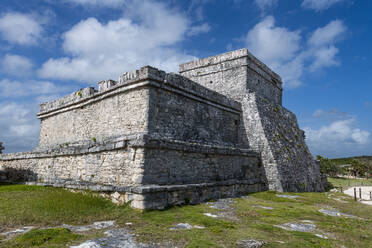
column 20, row 28
column 147, row 34
column 278, row 47
column 284, row 51
column 195, row 30
column 102, row 3
column 337, row 138
column 16, row 65
column 265, row 4
column 328, row 34
column 19, row 126
column 330, row 114
column 338, row 131
column 12, row 89
column 319, row 5
column 273, row 44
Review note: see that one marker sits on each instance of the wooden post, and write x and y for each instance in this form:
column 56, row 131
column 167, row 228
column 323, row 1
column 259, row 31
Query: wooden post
column 341, row 189
column 360, row 193
column 370, row 195
column 355, row 198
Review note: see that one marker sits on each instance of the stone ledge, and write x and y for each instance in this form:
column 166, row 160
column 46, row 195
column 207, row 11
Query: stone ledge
column 213, row 60
column 146, row 76
column 162, row 196
column 84, row 185
column 132, row 141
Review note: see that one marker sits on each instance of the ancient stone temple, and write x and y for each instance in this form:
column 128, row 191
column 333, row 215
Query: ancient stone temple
column 217, row 129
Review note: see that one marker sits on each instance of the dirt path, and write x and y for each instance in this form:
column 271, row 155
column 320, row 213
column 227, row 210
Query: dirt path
column 365, row 193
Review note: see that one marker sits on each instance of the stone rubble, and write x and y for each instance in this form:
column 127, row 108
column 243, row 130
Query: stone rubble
column 251, row 243
column 115, row 238
column 263, row 207
column 210, row 215
column 18, row 231
column 185, row 226
column 287, row 196
column 96, row 225
column 335, row 213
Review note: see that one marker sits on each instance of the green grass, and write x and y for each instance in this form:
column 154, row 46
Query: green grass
column 55, row 237
column 41, row 206
column 346, row 182
column 30, row 205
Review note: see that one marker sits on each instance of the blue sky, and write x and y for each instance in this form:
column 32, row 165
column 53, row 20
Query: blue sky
column 321, row 48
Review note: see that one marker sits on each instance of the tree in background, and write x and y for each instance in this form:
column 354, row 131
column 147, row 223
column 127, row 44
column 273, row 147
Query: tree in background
column 360, row 168
column 1, row 147
column 328, row 167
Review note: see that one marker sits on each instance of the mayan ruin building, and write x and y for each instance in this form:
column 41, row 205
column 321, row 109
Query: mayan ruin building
column 217, row 129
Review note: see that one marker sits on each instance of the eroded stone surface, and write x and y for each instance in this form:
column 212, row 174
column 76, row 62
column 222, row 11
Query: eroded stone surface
column 221, row 204
column 211, row 215
column 185, row 226
column 287, row 196
column 251, row 243
column 335, row 213
column 115, row 238
column 300, row 227
column 17, row 231
column 96, row 225
column 263, row 207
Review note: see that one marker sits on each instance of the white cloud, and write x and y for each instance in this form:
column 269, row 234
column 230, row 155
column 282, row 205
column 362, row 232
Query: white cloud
column 282, row 49
column 327, row 34
column 324, row 57
column 265, row 4
column 330, row 114
column 278, row 48
column 148, row 34
column 319, row 5
column 336, row 138
column 19, row 126
column 102, row 3
column 11, row 89
column 20, row 28
column 16, row 65
column 195, row 30
column 321, row 44
column 273, row 44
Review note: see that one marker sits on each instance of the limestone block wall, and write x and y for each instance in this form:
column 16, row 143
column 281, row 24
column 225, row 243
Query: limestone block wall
column 157, row 138
column 185, row 163
column 99, row 164
column 289, row 165
column 95, row 117
column 268, row 128
column 233, row 73
column 190, row 118
column 143, row 101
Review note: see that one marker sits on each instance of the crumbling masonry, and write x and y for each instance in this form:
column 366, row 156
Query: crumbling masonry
column 217, row 129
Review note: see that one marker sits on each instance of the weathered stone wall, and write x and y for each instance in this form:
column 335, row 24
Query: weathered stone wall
column 288, row 162
column 119, row 114
column 170, row 105
column 111, row 163
column 179, row 117
column 160, row 138
column 152, row 135
column 150, row 172
column 269, row 128
column 234, row 73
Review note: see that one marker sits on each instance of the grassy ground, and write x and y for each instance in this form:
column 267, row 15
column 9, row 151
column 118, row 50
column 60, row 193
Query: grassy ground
column 346, row 182
column 40, row 206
